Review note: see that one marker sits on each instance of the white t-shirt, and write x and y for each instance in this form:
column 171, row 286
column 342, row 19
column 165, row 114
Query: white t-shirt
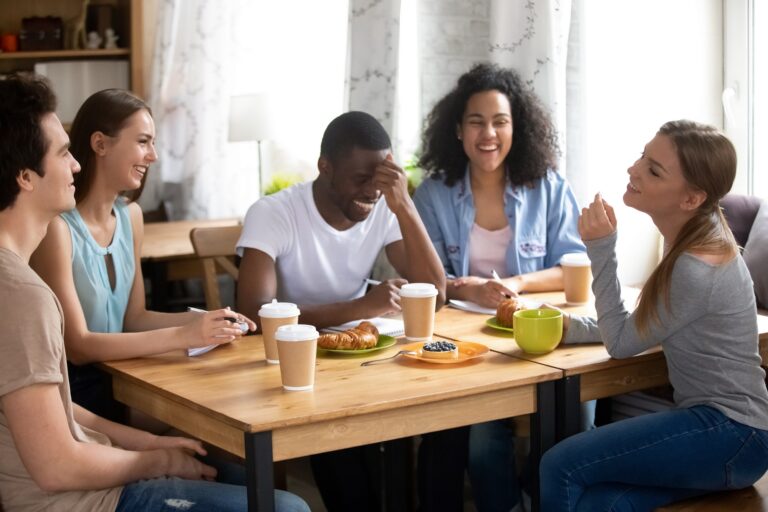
column 316, row 264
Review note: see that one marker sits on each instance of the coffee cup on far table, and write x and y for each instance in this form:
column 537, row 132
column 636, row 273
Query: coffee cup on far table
column 577, row 277
column 538, row 331
column 297, row 347
column 273, row 315
column 418, row 303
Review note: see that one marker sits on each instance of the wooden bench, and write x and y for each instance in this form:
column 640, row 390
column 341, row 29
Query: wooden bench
column 751, row 499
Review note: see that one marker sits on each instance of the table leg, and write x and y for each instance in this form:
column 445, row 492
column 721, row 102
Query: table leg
column 542, row 434
column 568, row 391
column 258, row 471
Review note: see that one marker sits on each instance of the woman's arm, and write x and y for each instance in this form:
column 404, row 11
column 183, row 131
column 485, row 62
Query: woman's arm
column 53, row 262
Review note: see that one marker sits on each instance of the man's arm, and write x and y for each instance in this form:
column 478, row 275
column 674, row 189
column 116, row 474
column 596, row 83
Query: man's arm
column 414, row 256
column 257, row 285
column 57, row 462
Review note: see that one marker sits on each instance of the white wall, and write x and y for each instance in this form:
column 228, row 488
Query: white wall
column 645, row 62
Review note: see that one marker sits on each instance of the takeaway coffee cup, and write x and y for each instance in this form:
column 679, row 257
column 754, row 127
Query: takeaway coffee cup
column 297, row 347
column 418, row 303
column 577, row 277
column 273, row 315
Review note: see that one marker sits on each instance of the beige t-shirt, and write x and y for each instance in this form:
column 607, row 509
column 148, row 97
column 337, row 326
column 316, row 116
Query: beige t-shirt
column 32, row 352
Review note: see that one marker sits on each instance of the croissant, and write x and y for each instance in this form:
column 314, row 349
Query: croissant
column 506, row 310
column 365, row 335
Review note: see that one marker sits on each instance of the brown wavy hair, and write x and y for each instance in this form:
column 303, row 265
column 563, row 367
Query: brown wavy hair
column 708, row 162
column 534, row 140
column 106, row 111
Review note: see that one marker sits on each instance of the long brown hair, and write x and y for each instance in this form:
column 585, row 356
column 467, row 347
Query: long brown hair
column 105, row 111
column 708, row 162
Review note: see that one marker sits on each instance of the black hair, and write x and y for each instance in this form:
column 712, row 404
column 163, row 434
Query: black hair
column 24, row 101
column 107, row 112
column 350, row 130
column 534, row 139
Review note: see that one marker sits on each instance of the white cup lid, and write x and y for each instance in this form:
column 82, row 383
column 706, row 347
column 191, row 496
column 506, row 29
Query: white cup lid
column 296, row 332
column 276, row 309
column 575, row 259
column 418, row 290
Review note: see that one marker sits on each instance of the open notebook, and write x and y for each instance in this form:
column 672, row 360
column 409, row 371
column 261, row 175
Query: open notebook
column 386, row 326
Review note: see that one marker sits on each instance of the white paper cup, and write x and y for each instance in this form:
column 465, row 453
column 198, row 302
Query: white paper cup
column 577, row 278
column 273, row 315
column 297, row 347
column 418, row 303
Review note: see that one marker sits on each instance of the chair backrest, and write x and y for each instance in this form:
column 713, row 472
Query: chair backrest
column 215, row 247
column 740, row 212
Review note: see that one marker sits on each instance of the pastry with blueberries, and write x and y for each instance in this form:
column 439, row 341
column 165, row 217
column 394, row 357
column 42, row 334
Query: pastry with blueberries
column 440, row 350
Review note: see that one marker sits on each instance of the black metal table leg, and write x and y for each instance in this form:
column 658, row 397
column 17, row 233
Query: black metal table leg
column 259, row 472
column 542, row 434
column 568, row 391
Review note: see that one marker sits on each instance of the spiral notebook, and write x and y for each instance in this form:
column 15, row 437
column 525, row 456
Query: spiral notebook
column 386, row 326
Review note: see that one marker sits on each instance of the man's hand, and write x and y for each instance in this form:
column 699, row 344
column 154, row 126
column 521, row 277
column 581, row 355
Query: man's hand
column 598, row 220
column 183, row 465
column 392, row 181
column 383, row 299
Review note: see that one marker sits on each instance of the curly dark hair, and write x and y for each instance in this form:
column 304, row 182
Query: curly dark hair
column 534, row 141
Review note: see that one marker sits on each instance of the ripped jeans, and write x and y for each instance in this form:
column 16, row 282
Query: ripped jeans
column 177, row 495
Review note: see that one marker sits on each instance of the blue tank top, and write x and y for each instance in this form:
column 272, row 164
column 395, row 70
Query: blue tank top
column 103, row 307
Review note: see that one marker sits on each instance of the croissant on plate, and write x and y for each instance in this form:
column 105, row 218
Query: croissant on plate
column 506, row 310
column 365, row 335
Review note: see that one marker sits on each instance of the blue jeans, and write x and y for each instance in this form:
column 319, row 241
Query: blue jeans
column 176, row 495
column 492, row 468
column 649, row 461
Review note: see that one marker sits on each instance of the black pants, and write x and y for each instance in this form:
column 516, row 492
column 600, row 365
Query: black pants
column 377, row 477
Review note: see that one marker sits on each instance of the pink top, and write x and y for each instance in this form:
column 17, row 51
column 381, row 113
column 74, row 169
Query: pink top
column 488, row 251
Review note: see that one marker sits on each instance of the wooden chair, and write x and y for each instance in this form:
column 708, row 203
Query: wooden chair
column 216, row 249
column 751, row 499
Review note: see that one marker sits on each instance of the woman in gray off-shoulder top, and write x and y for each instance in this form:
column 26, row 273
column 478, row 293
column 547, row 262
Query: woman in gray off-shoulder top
column 699, row 306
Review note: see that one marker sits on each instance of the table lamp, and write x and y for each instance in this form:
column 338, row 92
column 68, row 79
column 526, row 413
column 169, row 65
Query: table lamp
column 253, row 117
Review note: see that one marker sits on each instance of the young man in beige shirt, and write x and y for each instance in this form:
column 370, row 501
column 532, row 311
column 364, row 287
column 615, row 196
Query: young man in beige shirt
column 55, row 455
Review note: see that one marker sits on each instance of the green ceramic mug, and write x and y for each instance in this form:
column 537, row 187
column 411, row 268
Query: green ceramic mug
column 538, row 331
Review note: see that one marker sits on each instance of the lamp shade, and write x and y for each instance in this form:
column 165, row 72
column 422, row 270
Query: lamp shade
column 252, row 117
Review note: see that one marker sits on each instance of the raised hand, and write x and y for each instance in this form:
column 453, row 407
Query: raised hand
column 392, row 181
column 598, row 220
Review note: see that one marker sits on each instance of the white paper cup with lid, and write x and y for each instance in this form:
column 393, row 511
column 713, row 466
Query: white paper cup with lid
column 577, row 277
column 297, row 347
column 273, row 315
column 418, row 303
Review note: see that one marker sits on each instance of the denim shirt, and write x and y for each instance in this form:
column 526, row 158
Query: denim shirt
column 543, row 218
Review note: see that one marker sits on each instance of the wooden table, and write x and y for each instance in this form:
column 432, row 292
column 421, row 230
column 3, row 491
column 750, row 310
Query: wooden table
column 589, row 372
column 232, row 399
column 168, row 255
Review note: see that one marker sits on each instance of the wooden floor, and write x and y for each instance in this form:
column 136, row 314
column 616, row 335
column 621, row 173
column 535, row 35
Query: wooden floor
column 752, row 499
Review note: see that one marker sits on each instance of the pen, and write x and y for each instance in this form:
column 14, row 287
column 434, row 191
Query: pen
column 498, row 280
column 372, row 282
column 242, row 325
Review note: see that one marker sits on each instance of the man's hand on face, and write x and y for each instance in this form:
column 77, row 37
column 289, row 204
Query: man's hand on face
column 392, row 181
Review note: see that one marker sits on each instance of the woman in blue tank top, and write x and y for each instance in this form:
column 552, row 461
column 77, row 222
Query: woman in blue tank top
column 90, row 256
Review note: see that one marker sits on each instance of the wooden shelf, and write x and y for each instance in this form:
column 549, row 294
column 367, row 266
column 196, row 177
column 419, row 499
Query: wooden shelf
column 65, row 54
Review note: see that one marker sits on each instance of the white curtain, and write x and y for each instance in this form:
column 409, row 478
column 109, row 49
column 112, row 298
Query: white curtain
column 206, row 52
column 372, row 67
column 532, row 38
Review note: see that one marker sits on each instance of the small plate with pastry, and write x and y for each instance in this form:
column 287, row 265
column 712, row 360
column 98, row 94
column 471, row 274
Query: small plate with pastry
column 505, row 313
column 444, row 352
column 363, row 339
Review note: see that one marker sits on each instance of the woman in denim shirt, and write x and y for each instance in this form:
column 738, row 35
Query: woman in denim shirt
column 495, row 202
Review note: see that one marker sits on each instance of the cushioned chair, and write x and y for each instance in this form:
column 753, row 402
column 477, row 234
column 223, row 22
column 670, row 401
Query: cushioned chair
column 748, row 218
